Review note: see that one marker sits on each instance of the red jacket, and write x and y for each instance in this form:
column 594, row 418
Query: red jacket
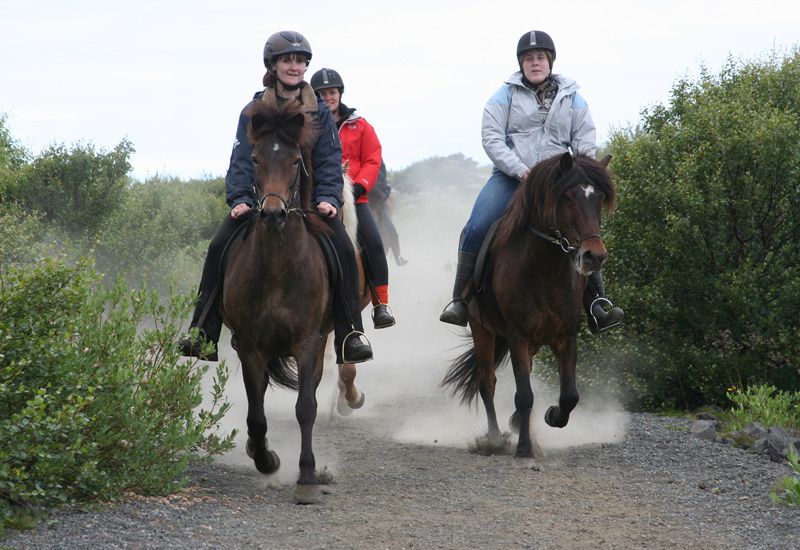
column 362, row 150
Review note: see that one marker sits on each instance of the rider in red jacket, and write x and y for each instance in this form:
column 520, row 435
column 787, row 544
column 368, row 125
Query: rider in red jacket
column 361, row 153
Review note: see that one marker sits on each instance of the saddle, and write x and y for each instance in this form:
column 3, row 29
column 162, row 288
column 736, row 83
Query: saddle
column 328, row 252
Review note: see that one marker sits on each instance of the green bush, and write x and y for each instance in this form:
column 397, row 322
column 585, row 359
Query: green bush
column 765, row 404
column 76, row 188
column 704, row 245
column 787, row 490
column 91, row 404
column 160, row 233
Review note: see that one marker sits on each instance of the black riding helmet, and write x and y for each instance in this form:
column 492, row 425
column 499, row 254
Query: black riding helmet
column 536, row 40
column 285, row 42
column 327, row 78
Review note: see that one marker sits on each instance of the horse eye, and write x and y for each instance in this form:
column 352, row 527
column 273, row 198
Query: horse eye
column 254, row 159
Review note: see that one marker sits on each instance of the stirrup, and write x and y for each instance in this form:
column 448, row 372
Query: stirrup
column 602, row 301
column 448, row 311
column 359, row 335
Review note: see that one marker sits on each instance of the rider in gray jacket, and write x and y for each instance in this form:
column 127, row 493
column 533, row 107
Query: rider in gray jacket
column 534, row 115
column 516, row 136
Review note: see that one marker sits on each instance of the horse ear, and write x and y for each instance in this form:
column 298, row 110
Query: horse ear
column 295, row 125
column 257, row 122
column 566, row 162
column 606, row 160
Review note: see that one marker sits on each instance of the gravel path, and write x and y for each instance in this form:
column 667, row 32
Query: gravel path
column 405, row 479
column 659, row 487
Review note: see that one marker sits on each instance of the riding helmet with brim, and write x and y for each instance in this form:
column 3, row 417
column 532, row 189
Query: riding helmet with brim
column 536, row 40
column 284, row 42
column 327, row 78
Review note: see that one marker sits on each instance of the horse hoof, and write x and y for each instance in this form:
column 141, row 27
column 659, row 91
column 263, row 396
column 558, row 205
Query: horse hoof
column 307, row 494
column 513, row 422
column 357, row 403
column 525, row 463
column 345, row 407
column 269, row 465
column 549, row 415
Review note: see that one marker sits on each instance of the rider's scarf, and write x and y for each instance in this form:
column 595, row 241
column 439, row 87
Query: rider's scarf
column 306, row 97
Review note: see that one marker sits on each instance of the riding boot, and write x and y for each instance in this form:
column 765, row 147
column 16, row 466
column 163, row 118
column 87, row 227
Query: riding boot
column 349, row 341
column 595, row 303
column 208, row 297
column 209, row 332
column 456, row 312
column 382, row 316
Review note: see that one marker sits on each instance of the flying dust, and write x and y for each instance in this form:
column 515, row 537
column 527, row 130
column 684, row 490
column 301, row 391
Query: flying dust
column 404, row 399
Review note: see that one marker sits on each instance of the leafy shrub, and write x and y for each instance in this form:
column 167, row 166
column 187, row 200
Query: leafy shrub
column 160, row 233
column 787, row 490
column 76, row 187
column 92, row 404
column 704, row 254
column 764, row 404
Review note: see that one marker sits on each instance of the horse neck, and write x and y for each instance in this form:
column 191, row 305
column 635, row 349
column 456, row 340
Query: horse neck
column 273, row 247
column 539, row 257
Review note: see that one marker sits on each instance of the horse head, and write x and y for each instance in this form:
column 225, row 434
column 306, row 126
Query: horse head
column 561, row 201
column 280, row 136
column 585, row 190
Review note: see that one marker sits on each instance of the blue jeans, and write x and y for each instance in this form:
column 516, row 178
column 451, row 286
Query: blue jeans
column 489, row 207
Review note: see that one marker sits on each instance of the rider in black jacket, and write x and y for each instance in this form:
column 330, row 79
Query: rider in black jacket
column 286, row 56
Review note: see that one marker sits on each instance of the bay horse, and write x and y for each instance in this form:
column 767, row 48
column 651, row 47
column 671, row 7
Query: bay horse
column 277, row 297
column 545, row 245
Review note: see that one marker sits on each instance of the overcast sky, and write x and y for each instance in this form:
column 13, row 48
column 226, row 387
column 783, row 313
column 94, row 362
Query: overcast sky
column 172, row 76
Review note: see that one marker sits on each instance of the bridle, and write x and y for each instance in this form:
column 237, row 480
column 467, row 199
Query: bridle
column 561, row 241
column 293, row 190
column 557, row 238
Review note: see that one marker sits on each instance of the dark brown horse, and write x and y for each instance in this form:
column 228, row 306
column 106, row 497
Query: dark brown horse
column 277, row 296
column 546, row 243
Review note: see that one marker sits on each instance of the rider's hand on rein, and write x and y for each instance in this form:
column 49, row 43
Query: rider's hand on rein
column 326, row 209
column 239, row 209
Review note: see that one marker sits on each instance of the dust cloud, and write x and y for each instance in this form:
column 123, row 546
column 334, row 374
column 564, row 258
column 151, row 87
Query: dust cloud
column 404, row 400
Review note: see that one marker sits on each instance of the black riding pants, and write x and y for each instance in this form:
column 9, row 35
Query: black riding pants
column 372, row 254
column 346, row 304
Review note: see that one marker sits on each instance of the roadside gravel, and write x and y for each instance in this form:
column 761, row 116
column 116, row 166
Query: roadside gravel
column 659, row 487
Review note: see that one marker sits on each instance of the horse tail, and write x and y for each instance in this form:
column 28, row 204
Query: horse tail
column 463, row 375
column 282, row 371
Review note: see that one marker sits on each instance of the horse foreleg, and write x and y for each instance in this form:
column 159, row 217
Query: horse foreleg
column 567, row 356
column 307, row 356
column 255, row 384
column 350, row 397
column 523, row 398
column 484, row 356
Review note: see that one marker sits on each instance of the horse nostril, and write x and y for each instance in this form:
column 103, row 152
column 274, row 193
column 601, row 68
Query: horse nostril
column 274, row 216
column 593, row 260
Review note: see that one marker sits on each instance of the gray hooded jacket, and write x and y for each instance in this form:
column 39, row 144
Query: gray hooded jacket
column 514, row 136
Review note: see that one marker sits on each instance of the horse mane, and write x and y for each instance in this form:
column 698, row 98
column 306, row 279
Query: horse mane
column 289, row 123
column 535, row 201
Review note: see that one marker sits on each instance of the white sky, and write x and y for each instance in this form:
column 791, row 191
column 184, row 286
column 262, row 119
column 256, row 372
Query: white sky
column 172, row 76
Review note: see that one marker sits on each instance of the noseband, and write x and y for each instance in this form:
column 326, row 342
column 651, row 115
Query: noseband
column 562, row 242
column 293, row 190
